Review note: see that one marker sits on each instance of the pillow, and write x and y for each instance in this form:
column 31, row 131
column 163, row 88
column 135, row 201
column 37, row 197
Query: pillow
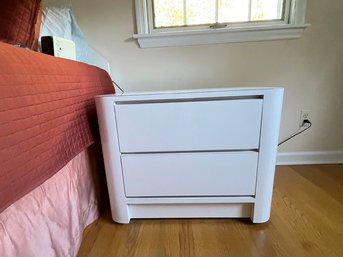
column 61, row 22
column 18, row 20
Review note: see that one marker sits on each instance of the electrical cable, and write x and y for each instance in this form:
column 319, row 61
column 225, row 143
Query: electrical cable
column 298, row 132
column 116, row 84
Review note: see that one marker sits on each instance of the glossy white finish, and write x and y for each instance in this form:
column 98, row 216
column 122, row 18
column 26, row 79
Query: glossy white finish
column 272, row 107
column 209, row 210
column 190, row 174
column 110, row 149
column 174, row 183
column 189, row 126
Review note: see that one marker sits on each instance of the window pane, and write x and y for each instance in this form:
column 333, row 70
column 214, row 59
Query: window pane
column 233, row 10
column 174, row 13
column 168, row 13
column 200, row 12
column 266, row 10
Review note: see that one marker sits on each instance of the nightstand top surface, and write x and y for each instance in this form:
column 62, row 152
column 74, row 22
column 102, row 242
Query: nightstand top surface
column 193, row 93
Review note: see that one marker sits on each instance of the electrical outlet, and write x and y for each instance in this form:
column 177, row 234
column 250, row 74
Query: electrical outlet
column 304, row 115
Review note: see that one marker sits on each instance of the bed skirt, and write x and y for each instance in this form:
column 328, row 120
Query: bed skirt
column 49, row 221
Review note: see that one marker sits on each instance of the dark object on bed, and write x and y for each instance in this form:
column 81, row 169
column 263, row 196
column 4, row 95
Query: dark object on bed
column 47, row 116
column 48, row 45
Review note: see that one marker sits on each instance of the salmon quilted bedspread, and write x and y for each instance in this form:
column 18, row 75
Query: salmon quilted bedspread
column 47, row 116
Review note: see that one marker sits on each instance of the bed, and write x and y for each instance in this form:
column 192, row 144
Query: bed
column 51, row 165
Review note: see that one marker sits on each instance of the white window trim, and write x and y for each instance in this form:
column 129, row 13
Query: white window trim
column 148, row 37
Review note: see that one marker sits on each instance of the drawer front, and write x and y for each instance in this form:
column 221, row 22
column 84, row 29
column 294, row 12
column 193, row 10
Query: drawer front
column 189, row 126
column 190, row 174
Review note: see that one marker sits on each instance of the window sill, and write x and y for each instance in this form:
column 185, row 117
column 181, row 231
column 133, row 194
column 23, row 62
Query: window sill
column 218, row 36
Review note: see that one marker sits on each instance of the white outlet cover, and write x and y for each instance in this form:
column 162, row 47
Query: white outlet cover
column 304, row 115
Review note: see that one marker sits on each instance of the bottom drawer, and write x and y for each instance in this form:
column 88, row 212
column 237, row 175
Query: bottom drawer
column 190, row 174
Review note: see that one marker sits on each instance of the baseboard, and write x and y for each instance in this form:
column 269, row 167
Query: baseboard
column 318, row 157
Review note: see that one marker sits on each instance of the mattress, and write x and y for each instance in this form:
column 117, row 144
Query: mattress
column 47, row 116
column 49, row 221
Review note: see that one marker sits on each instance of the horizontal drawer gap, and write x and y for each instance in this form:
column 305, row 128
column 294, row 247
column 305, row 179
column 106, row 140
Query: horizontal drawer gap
column 195, row 199
column 189, row 100
column 196, row 151
column 189, row 196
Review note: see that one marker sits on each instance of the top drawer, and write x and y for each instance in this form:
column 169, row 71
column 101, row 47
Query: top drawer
column 189, row 126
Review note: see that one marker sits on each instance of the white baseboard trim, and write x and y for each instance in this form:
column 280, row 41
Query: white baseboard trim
column 318, row 157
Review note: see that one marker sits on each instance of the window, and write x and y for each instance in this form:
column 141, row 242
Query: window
column 179, row 13
column 191, row 22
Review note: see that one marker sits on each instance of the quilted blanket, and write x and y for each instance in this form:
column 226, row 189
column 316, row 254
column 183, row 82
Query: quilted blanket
column 47, row 116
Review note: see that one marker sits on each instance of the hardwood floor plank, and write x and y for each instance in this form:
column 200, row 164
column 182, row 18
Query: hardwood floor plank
column 328, row 178
column 333, row 170
column 311, row 214
column 310, row 198
column 306, row 220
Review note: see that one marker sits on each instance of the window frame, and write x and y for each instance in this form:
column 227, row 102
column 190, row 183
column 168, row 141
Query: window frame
column 292, row 27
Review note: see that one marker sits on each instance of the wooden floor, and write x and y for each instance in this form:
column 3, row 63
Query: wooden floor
column 306, row 220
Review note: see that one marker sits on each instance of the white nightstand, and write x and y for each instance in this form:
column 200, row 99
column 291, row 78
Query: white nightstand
column 201, row 153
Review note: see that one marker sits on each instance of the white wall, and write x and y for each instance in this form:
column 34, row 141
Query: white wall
column 310, row 68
